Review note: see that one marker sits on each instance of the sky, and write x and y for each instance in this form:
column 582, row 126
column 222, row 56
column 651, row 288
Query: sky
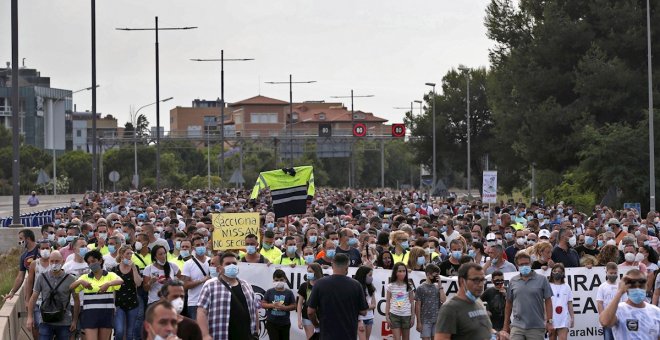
column 385, row 48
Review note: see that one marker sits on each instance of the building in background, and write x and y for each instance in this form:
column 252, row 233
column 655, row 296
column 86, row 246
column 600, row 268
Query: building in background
column 201, row 118
column 79, row 137
column 42, row 109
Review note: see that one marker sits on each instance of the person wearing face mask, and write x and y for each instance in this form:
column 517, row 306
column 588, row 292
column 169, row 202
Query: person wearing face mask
column 632, row 259
column 98, row 301
column 347, row 243
column 228, row 302
column 634, row 318
column 110, row 259
column 497, row 261
column 278, row 302
column 564, row 253
column 154, row 237
column 450, row 234
column 30, row 253
column 429, row 296
column 400, row 242
column 562, row 303
column 161, row 322
column 290, row 256
column 590, row 243
column 464, row 316
column 100, row 239
column 126, row 298
column 174, row 293
column 495, row 299
column 519, row 244
column 268, row 249
column 53, row 289
column 528, row 310
column 606, row 292
column 329, row 252
column 195, row 272
column 36, row 268
column 314, row 273
column 449, row 267
column 252, row 254
column 159, row 271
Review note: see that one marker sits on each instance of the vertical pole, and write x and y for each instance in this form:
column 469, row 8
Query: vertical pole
column 469, row 187
column 157, row 112
column 351, row 161
column 94, row 141
column 135, row 175
column 651, row 136
column 290, row 126
column 52, row 144
column 434, row 160
column 533, row 182
column 240, row 161
column 222, row 114
column 382, row 163
column 15, row 106
column 208, row 158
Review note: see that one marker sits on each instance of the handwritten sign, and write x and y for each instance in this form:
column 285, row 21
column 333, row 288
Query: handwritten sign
column 229, row 230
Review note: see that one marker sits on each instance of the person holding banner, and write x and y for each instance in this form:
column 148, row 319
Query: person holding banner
column 562, row 303
column 634, row 318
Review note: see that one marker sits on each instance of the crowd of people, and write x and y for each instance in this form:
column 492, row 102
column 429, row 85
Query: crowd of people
column 141, row 265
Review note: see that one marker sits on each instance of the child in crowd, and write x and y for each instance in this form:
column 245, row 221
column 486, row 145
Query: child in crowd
column 400, row 302
column 278, row 301
column 429, row 296
column 364, row 275
column 562, row 304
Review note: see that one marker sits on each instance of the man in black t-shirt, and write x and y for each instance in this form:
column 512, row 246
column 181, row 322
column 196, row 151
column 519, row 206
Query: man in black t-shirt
column 495, row 300
column 336, row 301
column 347, row 240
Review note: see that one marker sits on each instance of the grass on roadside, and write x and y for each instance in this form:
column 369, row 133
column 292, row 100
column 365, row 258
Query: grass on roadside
column 8, row 271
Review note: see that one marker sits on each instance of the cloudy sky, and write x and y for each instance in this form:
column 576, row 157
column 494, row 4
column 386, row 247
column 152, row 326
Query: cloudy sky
column 386, row 48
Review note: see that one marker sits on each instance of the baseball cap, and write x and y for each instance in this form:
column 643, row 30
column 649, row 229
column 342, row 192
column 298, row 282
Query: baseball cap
column 544, row 233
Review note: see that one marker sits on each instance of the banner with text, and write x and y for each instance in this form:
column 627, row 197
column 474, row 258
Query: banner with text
column 489, row 187
column 230, row 229
column 583, row 282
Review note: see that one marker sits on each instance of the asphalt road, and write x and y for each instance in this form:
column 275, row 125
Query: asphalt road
column 45, row 202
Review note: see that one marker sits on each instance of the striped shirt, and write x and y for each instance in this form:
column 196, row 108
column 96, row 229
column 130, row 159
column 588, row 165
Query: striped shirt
column 215, row 298
column 92, row 298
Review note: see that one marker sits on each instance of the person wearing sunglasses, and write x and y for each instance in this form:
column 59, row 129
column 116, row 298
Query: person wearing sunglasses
column 495, row 300
column 463, row 317
column 634, row 318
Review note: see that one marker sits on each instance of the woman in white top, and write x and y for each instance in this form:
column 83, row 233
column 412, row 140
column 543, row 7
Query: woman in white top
column 650, row 260
column 562, row 303
column 364, row 275
column 478, row 253
column 159, row 271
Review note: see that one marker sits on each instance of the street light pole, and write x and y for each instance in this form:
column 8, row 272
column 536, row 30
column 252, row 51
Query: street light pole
column 222, row 107
column 156, row 29
column 136, row 178
column 434, row 160
column 351, row 161
column 469, row 165
column 94, row 141
column 290, row 123
column 15, row 105
column 651, row 136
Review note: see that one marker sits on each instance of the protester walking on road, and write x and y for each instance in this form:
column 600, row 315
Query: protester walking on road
column 400, row 303
column 562, row 303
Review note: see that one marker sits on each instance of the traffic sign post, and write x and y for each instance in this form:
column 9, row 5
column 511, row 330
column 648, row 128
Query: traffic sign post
column 113, row 176
column 398, row 130
column 359, row 130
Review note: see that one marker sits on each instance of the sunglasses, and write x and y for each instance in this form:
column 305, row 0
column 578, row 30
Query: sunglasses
column 498, row 282
column 636, row 283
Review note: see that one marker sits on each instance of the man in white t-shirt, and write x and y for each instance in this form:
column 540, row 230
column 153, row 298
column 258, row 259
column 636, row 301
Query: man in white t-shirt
column 634, row 318
column 450, row 234
column 195, row 273
column 606, row 292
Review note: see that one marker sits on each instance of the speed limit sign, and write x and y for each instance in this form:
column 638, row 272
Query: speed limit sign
column 359, row 130
column 325, row 130
column 398, row 130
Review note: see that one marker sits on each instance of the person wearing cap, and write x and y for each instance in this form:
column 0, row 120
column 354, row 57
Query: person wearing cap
column 544, row 235
column 614, row 226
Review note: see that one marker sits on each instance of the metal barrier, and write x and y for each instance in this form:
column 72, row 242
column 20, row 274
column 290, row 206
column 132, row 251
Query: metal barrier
column 34, row 219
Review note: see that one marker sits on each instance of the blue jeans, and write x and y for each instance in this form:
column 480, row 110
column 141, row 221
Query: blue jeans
column 125, row 323
column 47, row 332
column 142, row 307
column 192, row 312
column 607, row 333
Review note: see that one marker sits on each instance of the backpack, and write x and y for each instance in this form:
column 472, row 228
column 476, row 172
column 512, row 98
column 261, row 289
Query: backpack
column 51, row 310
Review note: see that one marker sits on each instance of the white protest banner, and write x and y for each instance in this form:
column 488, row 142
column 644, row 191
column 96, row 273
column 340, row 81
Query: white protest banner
column 489, row 188
column 583, row 282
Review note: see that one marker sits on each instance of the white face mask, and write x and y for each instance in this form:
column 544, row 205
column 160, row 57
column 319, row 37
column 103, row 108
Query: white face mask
column 520, row 241
column 639, row 257
column 178, row 305
column 279, row 284
column 572, row 241
column 629, row 257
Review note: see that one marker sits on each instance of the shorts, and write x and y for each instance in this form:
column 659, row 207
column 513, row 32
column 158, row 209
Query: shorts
column 428, row 330
column 368, row 322
column 397, row 321
column 307, row 322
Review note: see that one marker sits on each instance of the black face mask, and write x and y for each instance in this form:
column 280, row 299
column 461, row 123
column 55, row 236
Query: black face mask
column 168, row 234
column 557, row 276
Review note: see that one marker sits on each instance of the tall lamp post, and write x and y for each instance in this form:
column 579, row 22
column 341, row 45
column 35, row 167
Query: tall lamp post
column 156, row 29
column 467, row 96
column 421, row 106
column 15, row 105
column 433, row 127
column 290, row 122
column 222, row 110
column 52, row 138
column 136, row 177
column 351, row 177
column 650, row 82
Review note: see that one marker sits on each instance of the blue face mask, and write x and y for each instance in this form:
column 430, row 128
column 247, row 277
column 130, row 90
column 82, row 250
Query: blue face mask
column 421, row 261
column 313, row 239
column 70, row 238
column 184, row 253
column 636, row 295
column 250, row 249
column 112, row 249
column 127, row 236
column 309, row 259
column 267, row 246
column 525, row 270
column 472, row 253
column 310, row 276
column 494, row 261
column 508, row 236
column 352, row 241
column 270, row 225
column 291, row 249
column 600, row 243
column 201, row 250
column 588, row 240
column 330, row 253
column 177, row 245
column 405, row 245
column 231, row 271
column 213, row 272
column 443, row 229
column 456, row 255
column 90, row 234
column 83, row 251
column 61, row 241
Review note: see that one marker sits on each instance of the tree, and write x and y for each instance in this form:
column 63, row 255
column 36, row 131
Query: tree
column 129, row 129
column 77, row 165
column 142, row 127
